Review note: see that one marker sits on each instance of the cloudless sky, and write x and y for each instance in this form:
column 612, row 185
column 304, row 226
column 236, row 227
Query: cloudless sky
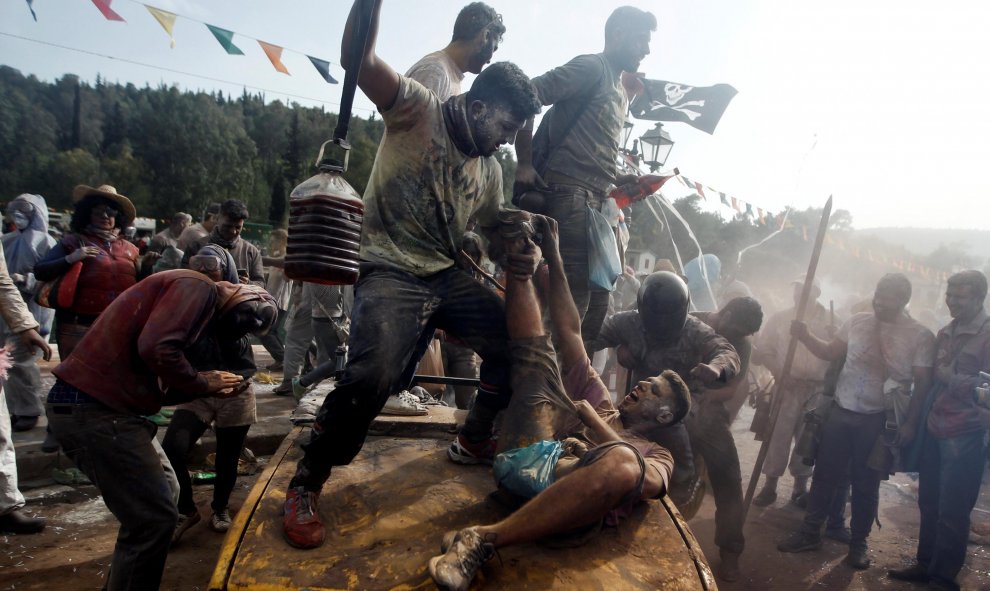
column 881, row 103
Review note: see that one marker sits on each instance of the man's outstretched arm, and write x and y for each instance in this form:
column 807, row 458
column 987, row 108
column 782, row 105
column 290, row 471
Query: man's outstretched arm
column 377, row 79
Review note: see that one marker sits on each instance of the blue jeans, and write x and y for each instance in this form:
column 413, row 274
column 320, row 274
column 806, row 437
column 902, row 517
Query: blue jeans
column 394, row 315
column 115, row 451
column 948, row 486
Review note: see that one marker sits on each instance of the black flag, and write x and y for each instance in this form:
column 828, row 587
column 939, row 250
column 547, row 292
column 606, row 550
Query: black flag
column 698, row 106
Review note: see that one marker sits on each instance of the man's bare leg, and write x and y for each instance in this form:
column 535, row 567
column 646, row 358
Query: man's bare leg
column 576, row 500
column 526, row 420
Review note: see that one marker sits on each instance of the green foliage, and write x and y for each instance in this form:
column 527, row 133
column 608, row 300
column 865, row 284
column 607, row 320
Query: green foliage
column 165, row 149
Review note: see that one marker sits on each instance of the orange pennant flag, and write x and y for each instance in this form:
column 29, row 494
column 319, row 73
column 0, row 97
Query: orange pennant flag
column 274, row 53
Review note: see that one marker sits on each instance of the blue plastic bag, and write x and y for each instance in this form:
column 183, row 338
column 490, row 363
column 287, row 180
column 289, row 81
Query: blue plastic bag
column 603, row 252
column 527, row 471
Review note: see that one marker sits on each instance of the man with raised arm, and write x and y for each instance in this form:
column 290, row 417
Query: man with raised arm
column 434, row 170
column 477, row 32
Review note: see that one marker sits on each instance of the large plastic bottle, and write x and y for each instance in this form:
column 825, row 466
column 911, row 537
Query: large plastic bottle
column 325, row 215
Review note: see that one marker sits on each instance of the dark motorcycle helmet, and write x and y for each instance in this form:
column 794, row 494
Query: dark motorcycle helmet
column 663, row 305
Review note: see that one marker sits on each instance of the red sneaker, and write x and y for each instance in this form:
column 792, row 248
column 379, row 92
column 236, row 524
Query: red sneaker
column 462, row 451
column 301, row 519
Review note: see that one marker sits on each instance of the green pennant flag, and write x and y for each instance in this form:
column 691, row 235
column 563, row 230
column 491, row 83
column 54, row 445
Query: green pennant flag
column 225, row 38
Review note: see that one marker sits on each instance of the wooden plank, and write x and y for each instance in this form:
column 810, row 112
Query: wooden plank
column 387, row 512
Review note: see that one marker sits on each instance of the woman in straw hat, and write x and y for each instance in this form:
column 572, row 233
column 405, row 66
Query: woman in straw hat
column 108, row 264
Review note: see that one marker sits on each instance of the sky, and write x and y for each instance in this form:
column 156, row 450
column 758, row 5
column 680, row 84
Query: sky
column 879, row 103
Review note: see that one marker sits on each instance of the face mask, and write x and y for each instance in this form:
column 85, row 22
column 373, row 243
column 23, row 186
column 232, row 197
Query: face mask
column 20, row 220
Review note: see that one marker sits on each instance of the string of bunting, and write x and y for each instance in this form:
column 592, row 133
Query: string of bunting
column 760, row 215
column 224, row 37
column 766, row 218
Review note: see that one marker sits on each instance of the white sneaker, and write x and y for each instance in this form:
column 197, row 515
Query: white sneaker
column 465, row 553
column 220, row 521
column 404, row 404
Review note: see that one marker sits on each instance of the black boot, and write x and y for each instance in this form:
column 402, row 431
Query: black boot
column 17, row 522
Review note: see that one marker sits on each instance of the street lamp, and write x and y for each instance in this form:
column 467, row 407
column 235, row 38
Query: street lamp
column 656, row 146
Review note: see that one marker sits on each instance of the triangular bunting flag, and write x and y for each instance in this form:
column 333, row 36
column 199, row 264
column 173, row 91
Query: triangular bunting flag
column 323, row 67
column 165, row 19
column 697, row 187
column 108, row 13
column 735, row 204
column 749, row 209
column 274, row 53
column 724, row 198
column 226, row 40
column 30, row 4
column 763, row 219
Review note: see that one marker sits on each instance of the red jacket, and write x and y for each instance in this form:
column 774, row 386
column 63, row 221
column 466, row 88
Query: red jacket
column 103, row 278
column 132, row 358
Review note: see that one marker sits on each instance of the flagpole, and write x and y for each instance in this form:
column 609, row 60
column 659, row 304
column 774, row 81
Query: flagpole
column 809, row 277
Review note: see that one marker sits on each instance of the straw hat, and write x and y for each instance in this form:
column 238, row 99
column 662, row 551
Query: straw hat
column 107, row 192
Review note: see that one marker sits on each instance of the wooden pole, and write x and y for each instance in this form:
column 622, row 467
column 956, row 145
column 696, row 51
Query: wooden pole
column 809, row 277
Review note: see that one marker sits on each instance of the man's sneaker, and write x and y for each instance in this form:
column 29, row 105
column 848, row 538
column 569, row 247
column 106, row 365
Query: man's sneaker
column 455, row 569
column 839, row 534
column 301, row 519
column 298, row 390
column 915, row 573
column 462, row 451
column 766, row 497
column 800, row 541
column 404, row 404
column 857, row 557
column 220, row 520
column 184, row 523
column 283, row 389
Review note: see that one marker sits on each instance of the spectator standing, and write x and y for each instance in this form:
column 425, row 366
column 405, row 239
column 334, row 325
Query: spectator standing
column 952, row 457
column 23, row 248
column 109, row 264
column 20, row 322
column 880, row 348
column 169, row 237
column 799, row 393
column 196, row 231
column 230, row 418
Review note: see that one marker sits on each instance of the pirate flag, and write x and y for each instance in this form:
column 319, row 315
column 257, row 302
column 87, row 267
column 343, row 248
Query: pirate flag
column 698, row 106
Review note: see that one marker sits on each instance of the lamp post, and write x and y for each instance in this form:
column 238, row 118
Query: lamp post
column 656, row 146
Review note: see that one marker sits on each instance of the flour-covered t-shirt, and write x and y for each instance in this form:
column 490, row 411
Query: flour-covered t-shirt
column 438, row 72
column 422, row 189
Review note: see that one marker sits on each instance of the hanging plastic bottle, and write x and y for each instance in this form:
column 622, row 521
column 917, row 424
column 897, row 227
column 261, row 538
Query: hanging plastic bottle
column 325, row 215
column 644, row 186
column 325, row 212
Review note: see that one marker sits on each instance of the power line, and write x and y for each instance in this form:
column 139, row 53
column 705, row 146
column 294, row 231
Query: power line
column 174, row 71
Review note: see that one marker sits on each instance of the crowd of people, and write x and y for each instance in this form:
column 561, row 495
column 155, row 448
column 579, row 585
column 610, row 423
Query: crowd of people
column 509, row 290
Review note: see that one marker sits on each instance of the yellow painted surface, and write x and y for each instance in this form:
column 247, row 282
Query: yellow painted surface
column 387, row 512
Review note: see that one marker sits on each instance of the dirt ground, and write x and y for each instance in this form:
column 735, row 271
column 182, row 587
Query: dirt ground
column 72, row 554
